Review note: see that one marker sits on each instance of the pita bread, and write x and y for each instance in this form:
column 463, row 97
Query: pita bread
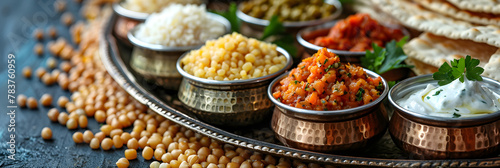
column 444, row 7
column 486, row 6
column 415, row 16
column 429, row 50
column 374, row 12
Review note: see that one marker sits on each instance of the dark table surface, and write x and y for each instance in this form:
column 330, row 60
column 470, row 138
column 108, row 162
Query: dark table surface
column 19, row 18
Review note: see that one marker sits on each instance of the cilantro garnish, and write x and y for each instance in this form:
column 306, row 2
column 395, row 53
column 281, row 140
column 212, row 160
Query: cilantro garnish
column 437, row 92
column 456, row 115
column 459, row 69
column 385, row 59
column 359, row 95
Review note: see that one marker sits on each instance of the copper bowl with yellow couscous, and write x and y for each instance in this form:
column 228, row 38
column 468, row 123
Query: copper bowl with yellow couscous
column 156, row 62
column 327, row 106
column 237, row 94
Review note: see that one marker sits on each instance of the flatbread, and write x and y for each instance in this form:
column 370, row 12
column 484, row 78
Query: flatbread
column 374, row 12
column 417, row 17
column 446, row 8
column 486, row 6
column 429, row 50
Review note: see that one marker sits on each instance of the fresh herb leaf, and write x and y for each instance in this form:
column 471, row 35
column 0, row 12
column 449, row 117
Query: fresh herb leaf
column 285, row 41
column 328, row 68
column 459, row 69
column 437, row 92
column 275, row 27
column 296, row 81
column 359, row 95
column 456, row 115
column 230, row 15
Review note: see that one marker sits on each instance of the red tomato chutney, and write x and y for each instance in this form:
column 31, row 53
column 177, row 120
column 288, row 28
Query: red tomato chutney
column 321, row 82
column 357, row 33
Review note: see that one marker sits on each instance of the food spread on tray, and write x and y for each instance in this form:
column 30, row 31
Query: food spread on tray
column 449, row 30
column 321, row 82
column 288, row 10
column 357, row 33
column 180, row 25
column 233, row 57
column 151, row 6
column 457, row 96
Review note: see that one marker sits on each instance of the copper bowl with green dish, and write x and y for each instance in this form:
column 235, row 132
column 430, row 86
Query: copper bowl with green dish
column 156, row 62
column 228, row 103
column 425, row 136
column 337, row 131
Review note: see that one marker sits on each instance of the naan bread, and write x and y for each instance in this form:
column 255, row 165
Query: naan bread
column 446, row 8
column 415, row 16
column 429, row 50
column 486, row 6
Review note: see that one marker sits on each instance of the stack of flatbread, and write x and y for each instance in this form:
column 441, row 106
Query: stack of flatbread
column 451, row 29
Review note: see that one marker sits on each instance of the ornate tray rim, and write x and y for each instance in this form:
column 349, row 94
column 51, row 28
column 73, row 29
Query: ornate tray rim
column 115, row 67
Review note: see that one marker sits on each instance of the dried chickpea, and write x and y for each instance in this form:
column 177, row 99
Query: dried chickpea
column 100, row 116
column 31, row 102
column 87, row 136
column 38, row 34
column 59, row 5
column 154, row 164
column 61, row 101
column 62, row 118
column 167, row 157
column 164, row 165
column 159, row 153
column 51, row 63
column 246, row 164
column 94, row 143
column 132, row 144
column 47, row 79
column 106, row 143
column 53, row 114
column 78, row 137
column 131, row 154
column 52, row 32
column 106, row 129
column 122, row 163
column 67, row 18
column 125, row 137
column 147, row 153
column 46, row 133
column 38, row 49
column 72, row 123
column 46, row 100
column 27, row 72
column 65, row 66
column 143, row 142
column 21, row 100
column 212, row 165
column 184, row 164
column 82, row 121
column 100, row 136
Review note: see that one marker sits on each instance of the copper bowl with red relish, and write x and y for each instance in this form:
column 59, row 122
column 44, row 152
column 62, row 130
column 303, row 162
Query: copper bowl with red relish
column 350, row 37
column 333, row 107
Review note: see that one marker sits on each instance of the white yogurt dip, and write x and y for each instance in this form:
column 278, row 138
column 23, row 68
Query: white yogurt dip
column 453, row 100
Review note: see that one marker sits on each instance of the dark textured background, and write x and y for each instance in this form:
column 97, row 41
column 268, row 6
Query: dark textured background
column 18, row 19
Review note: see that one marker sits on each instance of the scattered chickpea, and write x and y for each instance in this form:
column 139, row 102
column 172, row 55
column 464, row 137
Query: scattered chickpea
column 62, row 101
column 62, row 118
column 122, row 163
column 59, row 5
column 27, row 72
column 38, row 49
column 78, row 137
column 132, row 144
column 154, row 164
column 32, row 104
column 46, row 133
column 87, row 136
column 131, row 154
column 94, row 143
column 53, row 114
column 40, row 72
column 147, row 153
column 72, row 123
column 100, row 136
column 65, row 66
column 117, row 142
column 51, row 63
column 82, row 121
column 67, row 18
column 100, row 116
column 21, row 100
column 46, row 100
column 164, row 165
column 106, row 143
column 38, row 34
column 52, row 32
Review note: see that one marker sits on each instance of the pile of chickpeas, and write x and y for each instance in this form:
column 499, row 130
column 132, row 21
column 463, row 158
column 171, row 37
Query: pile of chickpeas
column 288, row 10
column 233, row 57
column 96, row 95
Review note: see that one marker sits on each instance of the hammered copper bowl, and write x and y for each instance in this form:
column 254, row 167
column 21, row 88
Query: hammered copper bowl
column 260, row 24
column 228, row 103
column 126, row 20
column 329, row 131
column 157, row 62
column 429, row 137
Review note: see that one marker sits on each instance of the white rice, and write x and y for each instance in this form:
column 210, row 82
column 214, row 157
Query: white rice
column 151, row 6
column 180, row 25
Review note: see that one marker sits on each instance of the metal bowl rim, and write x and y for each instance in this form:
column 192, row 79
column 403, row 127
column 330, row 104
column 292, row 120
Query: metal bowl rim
column 326, row 25
column 328, row 112
column 268, row 77
column 158, row 47
column 435, row 119
column 287, row 24
column 120, row 10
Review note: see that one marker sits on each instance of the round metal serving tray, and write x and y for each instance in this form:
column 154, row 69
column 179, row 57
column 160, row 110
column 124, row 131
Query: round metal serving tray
column 384, row 153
